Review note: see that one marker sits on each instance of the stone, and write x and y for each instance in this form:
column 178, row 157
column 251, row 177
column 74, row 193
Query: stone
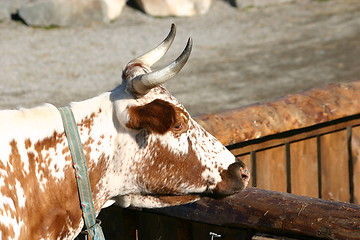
column 112, row 9
column 177, row 8
column 9, row 7
column 4, row 13
column 45, row 13
column 257, row 3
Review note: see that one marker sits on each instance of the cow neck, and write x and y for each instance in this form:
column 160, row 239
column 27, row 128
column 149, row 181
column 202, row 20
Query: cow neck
column 82, row 176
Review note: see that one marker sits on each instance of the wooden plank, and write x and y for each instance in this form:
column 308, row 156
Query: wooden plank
column 294, row 111
column 335, row 166
column 275, row 212
column 203, row 231
column 130, row 224
column 263, row 236
column 304, row 168
column 117, row 223
column 271, row 169
column 291, row 136
column 183, row 230
column 355, row 147
column 154, row 227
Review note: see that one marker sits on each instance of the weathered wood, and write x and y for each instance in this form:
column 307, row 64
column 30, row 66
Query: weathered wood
column 290, row 112
column 271, row 169
column 154, row 227
column 183, row 230
column 275, row 212
column 335, row 166
column 294, row 135
column 262, row 236
column 117, row 223
column 129, row 225
column 304, row 168
column 355, row 154
column 203, row 231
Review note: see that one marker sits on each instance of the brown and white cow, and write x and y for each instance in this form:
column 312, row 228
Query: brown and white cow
column 142, row 149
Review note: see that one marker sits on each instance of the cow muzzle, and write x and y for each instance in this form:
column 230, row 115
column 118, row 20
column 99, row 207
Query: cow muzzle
column 233, row 180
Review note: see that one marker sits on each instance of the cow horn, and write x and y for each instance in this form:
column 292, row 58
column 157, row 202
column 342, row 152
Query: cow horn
column 154, row 55
column 142, row 84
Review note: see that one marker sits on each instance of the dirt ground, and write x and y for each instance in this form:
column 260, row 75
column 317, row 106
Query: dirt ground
column 240, row 56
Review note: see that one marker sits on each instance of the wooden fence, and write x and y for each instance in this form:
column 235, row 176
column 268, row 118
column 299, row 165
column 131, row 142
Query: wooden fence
column 305, row 144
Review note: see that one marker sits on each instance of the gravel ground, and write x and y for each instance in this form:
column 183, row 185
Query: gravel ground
column 240, row 56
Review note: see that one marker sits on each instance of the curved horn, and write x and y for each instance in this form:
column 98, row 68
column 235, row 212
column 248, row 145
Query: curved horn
column 157, row 53
column 142, row 84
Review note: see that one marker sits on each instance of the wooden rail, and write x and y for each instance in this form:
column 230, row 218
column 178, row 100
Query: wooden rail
column 275, row 212
column 306, row 143
column 295, row 111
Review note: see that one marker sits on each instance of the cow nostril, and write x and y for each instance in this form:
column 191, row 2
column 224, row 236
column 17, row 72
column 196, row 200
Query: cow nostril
column 234, row 180
column 245, row 174
column 239, row 171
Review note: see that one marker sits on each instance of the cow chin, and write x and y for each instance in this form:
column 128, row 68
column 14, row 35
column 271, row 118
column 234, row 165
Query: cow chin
column 233, row 180
column 153, row 201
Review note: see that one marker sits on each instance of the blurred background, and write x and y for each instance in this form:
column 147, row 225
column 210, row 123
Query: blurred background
column 245, row 51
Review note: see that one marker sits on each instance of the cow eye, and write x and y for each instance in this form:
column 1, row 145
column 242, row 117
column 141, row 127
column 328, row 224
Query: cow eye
column 180, row 127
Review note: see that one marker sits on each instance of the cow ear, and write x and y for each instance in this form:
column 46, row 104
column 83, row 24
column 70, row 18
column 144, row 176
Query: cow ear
column 157, row 116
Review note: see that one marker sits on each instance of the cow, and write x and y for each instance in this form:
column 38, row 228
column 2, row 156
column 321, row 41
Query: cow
column 142, row 149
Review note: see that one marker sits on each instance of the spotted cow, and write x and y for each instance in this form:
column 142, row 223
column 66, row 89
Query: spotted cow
column 142, row 149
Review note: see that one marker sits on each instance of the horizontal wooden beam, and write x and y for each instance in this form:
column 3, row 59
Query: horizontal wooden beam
column 276, row 213
column 291, row 112
column 294, row 135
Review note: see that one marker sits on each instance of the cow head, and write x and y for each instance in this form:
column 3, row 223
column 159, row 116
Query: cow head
column 171, row 158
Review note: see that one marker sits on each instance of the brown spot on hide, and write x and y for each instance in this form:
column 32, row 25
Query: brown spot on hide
column 44, row 207
column 49, row 142
column 158, row 116
column 96, row 173
column 176, row 200
column 88, row 121
column 53, row 207
column 167, row 173
column 27, row 143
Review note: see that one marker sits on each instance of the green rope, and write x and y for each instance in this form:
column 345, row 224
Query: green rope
column 93, row 227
